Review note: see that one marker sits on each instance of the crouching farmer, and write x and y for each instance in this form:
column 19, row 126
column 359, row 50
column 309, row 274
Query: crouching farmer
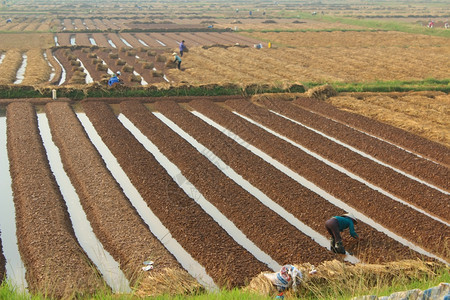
column 288, row 277
column 336, row 225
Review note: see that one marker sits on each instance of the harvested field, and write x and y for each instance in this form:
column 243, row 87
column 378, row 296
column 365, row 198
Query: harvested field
column 43, row 224
column 9, row 66
column 276, row 181
column 37, row 71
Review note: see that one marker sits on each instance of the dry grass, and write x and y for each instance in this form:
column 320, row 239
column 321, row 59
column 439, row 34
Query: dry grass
column 26, row 41
column 11, row 63
column 37, row 71
column 334, row 277
column 169, row 282
column 413, row 112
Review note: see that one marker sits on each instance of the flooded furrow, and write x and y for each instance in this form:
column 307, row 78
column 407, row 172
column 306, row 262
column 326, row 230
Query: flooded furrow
column 47, row 243
column 406, row 163
column 406, row 140
column 21, row 72
column 63, row 71
column 53, row 73
column 258, row 194
column 143, row 43
column 15, row 270
column 125, row 42
column 403, row 221
column 112, row 43
column 436, row 203
column 88, row 75
column 184, row 218
column 244, row 210
column 285, row 191
column 147, row 215
column 72, row 40
column 92, row 41
column 83, row 230
column 114, row 220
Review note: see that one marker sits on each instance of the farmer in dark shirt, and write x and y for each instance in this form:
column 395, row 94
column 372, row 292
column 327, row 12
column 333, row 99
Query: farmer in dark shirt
column 336, row 225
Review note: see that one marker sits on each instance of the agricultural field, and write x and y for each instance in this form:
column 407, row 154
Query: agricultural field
column 149, row 193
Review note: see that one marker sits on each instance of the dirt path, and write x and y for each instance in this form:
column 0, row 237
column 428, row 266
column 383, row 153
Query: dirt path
column 47, row 243
column 114, row 220
column 421, row 168
column 409, row 141
column 414, row 226
column 420, row 195
column 259, row 223
column 196, row 231
column 283, row 189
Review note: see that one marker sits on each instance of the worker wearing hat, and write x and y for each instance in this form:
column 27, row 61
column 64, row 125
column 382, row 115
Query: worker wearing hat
column 177, row 60
column 336, row 225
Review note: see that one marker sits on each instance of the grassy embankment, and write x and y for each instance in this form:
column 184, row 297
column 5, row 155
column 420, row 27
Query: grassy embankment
column 340, row 288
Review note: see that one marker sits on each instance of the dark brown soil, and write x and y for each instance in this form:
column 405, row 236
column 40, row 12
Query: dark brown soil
column 409, row 141
column 406, row 222
column 54, row 260
column 407, row 189
column 59, row 54
column 374, row 246
column 114, row 220
column 271, row 233
column 195, row 230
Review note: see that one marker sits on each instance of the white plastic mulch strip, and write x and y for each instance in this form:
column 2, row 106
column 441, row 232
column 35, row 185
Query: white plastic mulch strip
column 106, row 264
column 152, row 221
column 319, row 191
column 56, row 40
column 192, row 192
column 63, row 72
column 111, row 43
column 93, row 42
column 343, row 170
column 109, row 71
column 72, row 40
column 161, row 43
column 88, row 76
column 125, row 42
column 365, row 154
column 2, row 57
column 53, row 73
column 263, row 198
column 21, row 72
column 15, row 269
column 142, row 42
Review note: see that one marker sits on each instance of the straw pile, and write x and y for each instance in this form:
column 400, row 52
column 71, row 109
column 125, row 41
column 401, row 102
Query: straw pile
column 168, row 282
column 338, row 275
column 321, row 92
column 11, row 63
column 38, row 70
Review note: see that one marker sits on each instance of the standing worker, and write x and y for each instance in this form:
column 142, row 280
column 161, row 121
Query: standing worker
column 182, row 48
column 336, row 225
column 177, row 60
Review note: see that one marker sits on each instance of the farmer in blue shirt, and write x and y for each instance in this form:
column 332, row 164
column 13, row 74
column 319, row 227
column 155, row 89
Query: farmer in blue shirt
column 177, row 60
column 336, row 225
column 182, row 48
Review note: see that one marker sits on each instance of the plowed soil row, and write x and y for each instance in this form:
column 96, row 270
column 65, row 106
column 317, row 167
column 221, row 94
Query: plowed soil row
column 56, row 66
column 409, row 141
column 54, row 260
column 195, row 230
column 400, row 185
column 373, row 247
column 271, row 233
column 406, row 222
column 386, row 152
column 114, row 220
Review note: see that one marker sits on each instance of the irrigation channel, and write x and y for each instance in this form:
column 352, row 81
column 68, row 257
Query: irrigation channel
column 206, row 188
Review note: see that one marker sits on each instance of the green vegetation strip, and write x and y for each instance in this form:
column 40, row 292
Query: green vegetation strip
column 372, row 285
column 97, row 91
